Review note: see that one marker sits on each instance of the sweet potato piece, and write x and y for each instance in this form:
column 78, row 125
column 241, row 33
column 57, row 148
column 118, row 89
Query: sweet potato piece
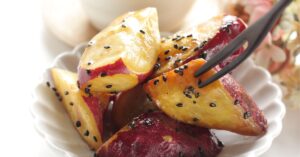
column 122, row 55
column 130, row 104
column 86, row 112
column 202, row 41
column 223, row 104
column 157, row 135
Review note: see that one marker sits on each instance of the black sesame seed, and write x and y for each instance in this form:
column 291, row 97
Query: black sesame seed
column 184, row 49
column 197, row 94
column 89, row 86
column 156, row 66
column 48, row 84
column 247, row 115
column 212, row 104
column 236, row 102
column 166, row 52
column 88, row 72
column 89, row 63
column 132, row 124
column 123, row 26
column 107, row 47
column 168, row 58
column 175, row 46
column 196, row 49
column 203, row 55
column 86, row 133
column 185, row 67
column 78, row 124
column 189, row 36
column 180, row 47
column 87, row 90
column 148, row 122
column 155, row 82
column 103, row 74
column 177, row 60
column 95, row 138
column 194, row 102
column 60, row 99
column 164, row 78
column 195, row 119
column 141, row 31
column 54, row 89
column 66, row 93
column 179, row 105
column 108, row 86
column 71, row 103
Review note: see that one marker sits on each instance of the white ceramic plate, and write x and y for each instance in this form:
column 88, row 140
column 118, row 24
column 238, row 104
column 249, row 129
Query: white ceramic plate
column 54, row 125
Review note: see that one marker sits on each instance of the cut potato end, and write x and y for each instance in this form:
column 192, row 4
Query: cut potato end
column 178, row 95
column 130, row 104
column 86, row 113
column 134, row 38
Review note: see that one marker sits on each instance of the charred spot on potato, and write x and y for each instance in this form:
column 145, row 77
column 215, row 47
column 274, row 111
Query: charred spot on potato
column 78, row 124
column 155, row 82
column 179, row 105
column 213, row 104
column 48, row 83
column 247, row 115
column 108, row 86
column 86, row 133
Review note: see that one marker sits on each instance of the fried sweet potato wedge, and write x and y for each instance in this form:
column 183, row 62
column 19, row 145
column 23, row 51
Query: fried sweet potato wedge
column 122, row 55
column 202, row 41
column 223, row 104
column 86, row 112
column 130, row 104
column 157, row 135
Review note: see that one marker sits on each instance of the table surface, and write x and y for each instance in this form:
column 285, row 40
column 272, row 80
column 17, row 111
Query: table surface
column 29, row 48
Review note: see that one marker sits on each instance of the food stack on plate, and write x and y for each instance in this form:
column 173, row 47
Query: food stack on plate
column 144, row 85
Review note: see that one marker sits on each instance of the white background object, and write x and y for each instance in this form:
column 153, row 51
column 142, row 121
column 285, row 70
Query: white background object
column 27, row 49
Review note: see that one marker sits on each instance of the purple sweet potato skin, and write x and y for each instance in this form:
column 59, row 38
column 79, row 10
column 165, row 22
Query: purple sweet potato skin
column 156, row 135
column 245, row 101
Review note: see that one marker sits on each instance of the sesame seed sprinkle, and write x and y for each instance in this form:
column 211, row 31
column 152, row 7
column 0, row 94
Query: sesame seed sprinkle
column 107, row 47
column 155, row 82
column 108, row 86
column 179, row 105
column 78, row 124
column 142, row 31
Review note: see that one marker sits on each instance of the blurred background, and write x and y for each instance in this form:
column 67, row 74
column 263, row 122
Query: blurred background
column 34, row 32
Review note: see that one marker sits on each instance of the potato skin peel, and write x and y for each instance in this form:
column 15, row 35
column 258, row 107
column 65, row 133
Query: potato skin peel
column 157, row 135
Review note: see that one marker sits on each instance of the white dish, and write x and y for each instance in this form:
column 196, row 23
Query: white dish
column 54, row 125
